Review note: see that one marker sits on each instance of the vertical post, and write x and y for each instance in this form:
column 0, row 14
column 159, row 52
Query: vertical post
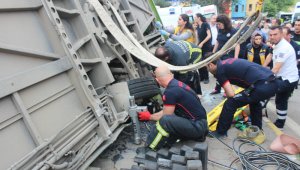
column 135, row 120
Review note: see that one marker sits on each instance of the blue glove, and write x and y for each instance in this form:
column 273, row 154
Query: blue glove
column 164, row 33
column 158, row 25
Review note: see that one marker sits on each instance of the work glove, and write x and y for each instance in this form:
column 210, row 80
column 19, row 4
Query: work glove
column 164, row 33
column 145, row 115
column 158, row 25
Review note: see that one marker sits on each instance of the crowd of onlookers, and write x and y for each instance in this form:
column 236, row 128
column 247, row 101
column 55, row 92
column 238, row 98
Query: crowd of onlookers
column 210, row 35
column 264, row 65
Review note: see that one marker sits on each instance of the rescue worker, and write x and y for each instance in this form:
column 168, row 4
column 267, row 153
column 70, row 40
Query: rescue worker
column 285, row 68
column 183, row 116
column 259, row 84
column 184, row 30
column 182, row 53
column 203, row 33
column 257, row 51
column 296, row 33
column 226, row 31
column 287, row 34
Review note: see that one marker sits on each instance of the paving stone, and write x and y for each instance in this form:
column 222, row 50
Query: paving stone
column 184, row 149
column 139, row 160
column 166, row 163
column 175, row 150
column 163, row 168
column 150, row 165
column 136, row 167
column 178, row 159
column 202, row 148
column 194, row 165
column 151, row 156
column 192, row 155
column 178, row 167
column 140, row 155
column 163, row 153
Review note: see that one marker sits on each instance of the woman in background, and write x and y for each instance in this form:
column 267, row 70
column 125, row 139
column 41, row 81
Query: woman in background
column 184, row 30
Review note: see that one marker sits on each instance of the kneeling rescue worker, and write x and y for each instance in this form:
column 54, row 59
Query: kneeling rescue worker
column 259, row 84
column 183, row 116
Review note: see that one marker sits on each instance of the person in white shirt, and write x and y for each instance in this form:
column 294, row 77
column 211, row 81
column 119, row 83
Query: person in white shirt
column 214, row 29
column 285, row 68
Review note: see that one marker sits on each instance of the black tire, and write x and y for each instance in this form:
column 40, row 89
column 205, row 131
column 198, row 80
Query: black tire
column 145, row 87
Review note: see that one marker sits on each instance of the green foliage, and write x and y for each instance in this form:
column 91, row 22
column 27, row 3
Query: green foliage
column 162, row 3
column 274, row 6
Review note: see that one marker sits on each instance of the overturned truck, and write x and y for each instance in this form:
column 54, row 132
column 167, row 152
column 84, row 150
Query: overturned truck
column 63, row 90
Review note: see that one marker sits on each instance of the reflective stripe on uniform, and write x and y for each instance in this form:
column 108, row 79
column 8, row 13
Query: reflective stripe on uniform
column 156, row 141
column 192, row 50
column 281, row 112
column 161, row 130
column 161, row 133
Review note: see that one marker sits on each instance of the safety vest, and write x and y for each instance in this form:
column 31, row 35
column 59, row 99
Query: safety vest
column 191, row 51
column 262, row 53
column 191, row 39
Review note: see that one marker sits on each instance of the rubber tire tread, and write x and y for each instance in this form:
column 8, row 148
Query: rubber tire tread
column 143, row 87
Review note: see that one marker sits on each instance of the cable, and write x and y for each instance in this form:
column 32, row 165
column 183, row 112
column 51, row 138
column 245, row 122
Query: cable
column 221, row 165
column 211, row 134
column 260, row 158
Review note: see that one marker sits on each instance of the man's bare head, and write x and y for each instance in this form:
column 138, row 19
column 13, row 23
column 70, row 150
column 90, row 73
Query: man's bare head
column 163, row 75
column 162, row 53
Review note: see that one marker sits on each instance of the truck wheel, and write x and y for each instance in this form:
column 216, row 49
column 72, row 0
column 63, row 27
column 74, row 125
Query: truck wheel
column 145, row 87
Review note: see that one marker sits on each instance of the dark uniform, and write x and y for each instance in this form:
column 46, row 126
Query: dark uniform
column 184, row 53
column 222, row 38
column 296, row 37
column 259, row 84
column 202, row 34
column 243, row 49
column 297, row 50
column 188, row 122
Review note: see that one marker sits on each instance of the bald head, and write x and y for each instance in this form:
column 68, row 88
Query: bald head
column 163, row 75
column 162, row 53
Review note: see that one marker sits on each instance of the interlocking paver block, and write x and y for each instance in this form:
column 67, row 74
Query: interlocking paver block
column 178, row 159
column 202, row 148
column 192, row 155
column 151, row 156
column 179, row 167
column 175, row 150
column 150, row 165
column 136, row 167
column 184, row 149
column 166, row 163
column 163, row 153
column 194, row 165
